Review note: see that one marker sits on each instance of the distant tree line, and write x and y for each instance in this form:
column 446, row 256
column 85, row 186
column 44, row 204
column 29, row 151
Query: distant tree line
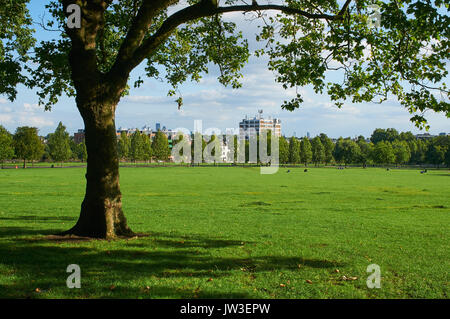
column 385, row 147
column 26, row 145
column 140, row 147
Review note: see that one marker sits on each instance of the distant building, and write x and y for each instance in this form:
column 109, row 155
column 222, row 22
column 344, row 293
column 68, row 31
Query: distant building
column 158, row 126
column 78, row 137
column 424, row 136
column 256, row 124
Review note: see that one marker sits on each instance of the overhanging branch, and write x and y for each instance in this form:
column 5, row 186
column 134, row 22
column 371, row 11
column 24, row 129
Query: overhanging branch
column 201, row 10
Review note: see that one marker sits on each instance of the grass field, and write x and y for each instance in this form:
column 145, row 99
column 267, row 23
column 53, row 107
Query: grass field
column 232, row 233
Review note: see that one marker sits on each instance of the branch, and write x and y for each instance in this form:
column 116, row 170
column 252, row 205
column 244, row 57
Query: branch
column 140, row 25
column 202, row 9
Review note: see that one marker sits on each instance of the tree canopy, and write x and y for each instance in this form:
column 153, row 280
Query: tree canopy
column 15, row 41
column 6, row 145
column 27, row 144
column 304, row 41
column 59, row 144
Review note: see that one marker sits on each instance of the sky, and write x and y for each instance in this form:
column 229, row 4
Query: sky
column 217, row 106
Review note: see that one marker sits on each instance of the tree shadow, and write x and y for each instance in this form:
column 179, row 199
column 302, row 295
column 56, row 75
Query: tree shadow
column 39, row 218
column 189, row 266
column 11, row 231
column 176, row 240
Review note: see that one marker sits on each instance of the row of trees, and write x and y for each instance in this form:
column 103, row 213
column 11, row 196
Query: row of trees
column 26, row 145
column 139, row 147
column 385, row 147
column 317, row 150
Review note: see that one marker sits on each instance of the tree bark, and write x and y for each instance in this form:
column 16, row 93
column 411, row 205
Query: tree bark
column 101, row 211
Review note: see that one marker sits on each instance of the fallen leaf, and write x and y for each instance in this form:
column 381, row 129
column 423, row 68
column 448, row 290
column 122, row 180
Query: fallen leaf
column 337, row 270
column 282, row 285
column 37, row 290
column 112, row 287
column 210, row 279
column 349, row 278
column 309, row 281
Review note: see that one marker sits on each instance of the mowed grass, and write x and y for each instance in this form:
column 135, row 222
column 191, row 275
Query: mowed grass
column 232, row 233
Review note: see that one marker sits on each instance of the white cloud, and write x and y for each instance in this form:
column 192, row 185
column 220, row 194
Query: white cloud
column 31, row 107
column 6, row 119
column 5, row 109
column 35, row 121
column 144, row 99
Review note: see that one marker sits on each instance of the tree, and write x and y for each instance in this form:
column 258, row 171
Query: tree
column 402, row 152
column 437, row 148
column 147, row 147
column 447, row 158
column 365, row 152
column 328, row 148
column 294, row 150
column 81, row 152
column 318, row 151
column 383, row 153
column 346, row 151
column 338, row 151
column 389, row 135
column 179, row 40
column 418, row 153
column 6, row 145
column 15, row 41
column 136, row 146
column 27, row 144
column 59, row 144
column 305, row 151
column 435, row 154
column 124, row 145
column 160, row 147
column 407, row 137
column 284, row 150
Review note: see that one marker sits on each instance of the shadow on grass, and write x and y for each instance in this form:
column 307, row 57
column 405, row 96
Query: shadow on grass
column 39, row 218
column 12, row 231
column 174, row 266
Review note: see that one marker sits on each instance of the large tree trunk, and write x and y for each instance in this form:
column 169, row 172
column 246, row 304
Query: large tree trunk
column 101, row 211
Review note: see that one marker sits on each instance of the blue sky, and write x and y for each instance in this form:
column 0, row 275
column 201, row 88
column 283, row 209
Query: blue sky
column 217, row 106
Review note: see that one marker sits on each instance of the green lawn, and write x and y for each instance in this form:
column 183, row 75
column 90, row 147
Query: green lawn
column 232, row 233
